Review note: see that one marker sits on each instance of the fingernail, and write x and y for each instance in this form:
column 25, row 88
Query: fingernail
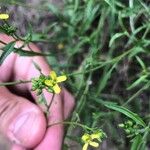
column 22, row 128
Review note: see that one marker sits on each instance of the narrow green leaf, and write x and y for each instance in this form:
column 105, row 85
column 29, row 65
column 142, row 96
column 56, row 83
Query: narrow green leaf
column 126, row 112
column 52, row 8
column 89, row 9
column 141, row 62
column 108, row 2
column 136, row 50
column 7, row 50
column 116, row 36
column 137, row 82
column 101, row 101
column 22, row 52
column 105, row 79
column 136, row 142
column 36, row 37
column 37, row 66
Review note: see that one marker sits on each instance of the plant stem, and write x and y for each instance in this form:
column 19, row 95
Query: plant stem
column 113, row 61
column 14, row 82
column 27, row 53
column 3, row 42
column 131, row 5
column 50, row 102
column 136, row 94
column 71, row 123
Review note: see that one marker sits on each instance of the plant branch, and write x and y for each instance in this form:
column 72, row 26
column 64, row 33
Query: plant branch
column 14, row 82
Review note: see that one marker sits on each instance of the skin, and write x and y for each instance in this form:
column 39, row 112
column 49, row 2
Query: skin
column 21, row 121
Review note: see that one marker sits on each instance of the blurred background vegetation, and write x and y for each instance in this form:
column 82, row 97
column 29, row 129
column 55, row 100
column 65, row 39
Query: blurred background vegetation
column 105, row 44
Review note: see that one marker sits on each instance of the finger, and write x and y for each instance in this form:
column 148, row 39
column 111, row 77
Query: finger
column 54, row 135
column 13, row 63
column 17, row 147
column 26, row 73
column 53, row 139
column 21, row 121
column 68, row 103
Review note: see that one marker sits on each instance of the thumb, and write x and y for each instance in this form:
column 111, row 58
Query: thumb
column 20, row 120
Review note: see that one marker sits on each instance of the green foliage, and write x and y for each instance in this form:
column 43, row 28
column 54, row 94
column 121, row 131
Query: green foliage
column 6, row 51
column 106, row 57
column 136, row 141
column 126, row 112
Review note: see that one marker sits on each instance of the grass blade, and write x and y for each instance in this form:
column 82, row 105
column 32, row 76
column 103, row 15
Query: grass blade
column 7, row 50
column 126, row 112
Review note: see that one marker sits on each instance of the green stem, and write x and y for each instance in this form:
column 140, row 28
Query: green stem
column 2, row 42
column 71, row 123
column 137, row 93
column 114, row 60
column 14, row 82
column 50, row 102
column 30, row 53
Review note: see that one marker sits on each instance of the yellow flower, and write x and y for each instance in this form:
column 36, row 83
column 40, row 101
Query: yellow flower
column 60, row 46
column 54, row 80
column 88, row 139
column 4, row 16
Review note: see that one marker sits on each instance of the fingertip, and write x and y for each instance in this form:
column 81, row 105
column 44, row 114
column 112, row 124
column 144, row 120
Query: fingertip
column 53, row 138
column 21, row 121
column 17, row 147
column 28, row 128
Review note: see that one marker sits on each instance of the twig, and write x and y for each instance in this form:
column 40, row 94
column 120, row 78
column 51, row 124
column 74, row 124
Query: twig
column 14, row 82
column 50, row 102
column 71, row 123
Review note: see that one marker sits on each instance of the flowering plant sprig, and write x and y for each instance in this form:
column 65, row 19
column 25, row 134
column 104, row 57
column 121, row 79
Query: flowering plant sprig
column 92, row 139
column 38, row 84
column 53, row 80
column 50, row 83
column 6, row 28
column 131, row 128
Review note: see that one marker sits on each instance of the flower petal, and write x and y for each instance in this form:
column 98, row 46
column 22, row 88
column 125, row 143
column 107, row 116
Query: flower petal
column 96, row 135
column 61, row 78
column 56, row 89
column 53, row 75
column 4, row 16
column 85, row 137
column 85, row 146
column 48, row 82
column 94, row 144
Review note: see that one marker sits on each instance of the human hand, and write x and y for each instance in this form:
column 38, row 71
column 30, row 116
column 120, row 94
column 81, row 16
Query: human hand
column 22, row 121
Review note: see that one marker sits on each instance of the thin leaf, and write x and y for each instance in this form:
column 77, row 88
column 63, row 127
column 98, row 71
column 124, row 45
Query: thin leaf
column 136, row 142
column 7, row 50
column 29, row 53
column 53, row 9
column 137, row 82
column 37, row 66
column 126, row 112
column 136, row 50
column 108, row 2
column 36, row 37
column 116, row 36
column 105, row 79
column 141, row 62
